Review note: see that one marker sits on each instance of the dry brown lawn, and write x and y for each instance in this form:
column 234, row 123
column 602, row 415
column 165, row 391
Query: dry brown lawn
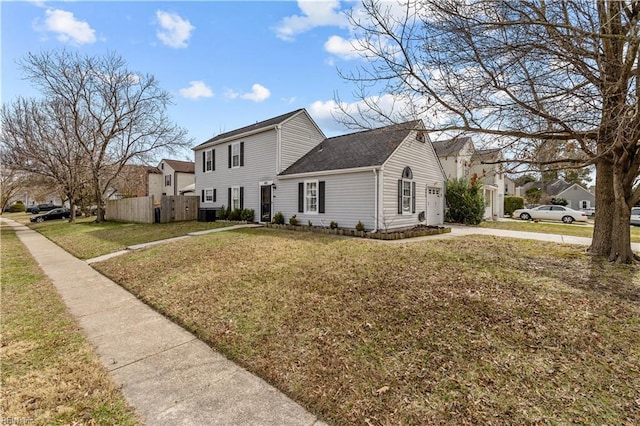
column 477, row 330
column 50, row 374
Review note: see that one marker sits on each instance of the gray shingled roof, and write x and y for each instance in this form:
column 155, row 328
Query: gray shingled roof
column 450, row 146
column 557, row 186
column 490, row 154
column 252, row 127
column 361, row 149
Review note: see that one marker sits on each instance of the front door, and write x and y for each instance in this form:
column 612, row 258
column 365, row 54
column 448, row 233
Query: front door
column 434, row 206
column 265, row 203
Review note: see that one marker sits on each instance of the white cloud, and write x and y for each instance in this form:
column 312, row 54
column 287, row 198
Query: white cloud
column 314, row 14
column 258, row 93
column 174, row 31
column 68, row 28
column 344, row 49
column 196, row 90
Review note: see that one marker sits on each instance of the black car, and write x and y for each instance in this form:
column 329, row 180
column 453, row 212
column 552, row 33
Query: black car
column 60, row 213
column 42, row 208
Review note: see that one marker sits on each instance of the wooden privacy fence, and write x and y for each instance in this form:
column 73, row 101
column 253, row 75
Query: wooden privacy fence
column 169, row 208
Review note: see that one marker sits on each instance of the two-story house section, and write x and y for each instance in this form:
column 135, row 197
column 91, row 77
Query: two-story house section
column 460, row 160
column 238, row 169
column 176, row 175
column 385, row 178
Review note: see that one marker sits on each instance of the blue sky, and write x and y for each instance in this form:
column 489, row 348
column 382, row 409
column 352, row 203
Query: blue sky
column 227, row 63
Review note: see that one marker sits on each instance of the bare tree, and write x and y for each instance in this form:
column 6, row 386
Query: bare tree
column 36, row 139
column 114, row 115
column 11, row 183
column 530, row 74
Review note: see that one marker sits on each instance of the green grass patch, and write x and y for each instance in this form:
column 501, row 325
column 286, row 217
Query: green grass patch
column 575, row 230
column 50, row 374
column 86, row 239
column 460, row 331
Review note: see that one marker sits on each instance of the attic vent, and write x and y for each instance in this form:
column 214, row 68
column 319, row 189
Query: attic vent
column 420, row 136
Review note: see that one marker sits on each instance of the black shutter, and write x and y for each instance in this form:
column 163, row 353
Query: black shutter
column 214, row 195
column 230, row 207
column 321, row 196
column 413, row 197
column 213, row 159
column 301, row 197
column 241, row 197
column 204, row 162
column 202, row 198
column 229, row 156
column 241, row 154
column 400, row 196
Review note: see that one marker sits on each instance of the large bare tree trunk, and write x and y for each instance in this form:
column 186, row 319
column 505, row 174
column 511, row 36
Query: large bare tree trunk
column 605, row 210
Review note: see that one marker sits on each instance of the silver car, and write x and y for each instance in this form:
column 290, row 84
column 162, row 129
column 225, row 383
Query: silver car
column 551, row 212
column 635, row 216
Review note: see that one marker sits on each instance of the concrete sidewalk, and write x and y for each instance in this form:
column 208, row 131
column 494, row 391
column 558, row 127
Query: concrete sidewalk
column 167, row 374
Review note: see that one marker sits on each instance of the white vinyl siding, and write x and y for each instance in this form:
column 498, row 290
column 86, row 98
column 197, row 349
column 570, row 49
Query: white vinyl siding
column 348, row 198
column 299, row 135
column 424, row 164
column 259, row 165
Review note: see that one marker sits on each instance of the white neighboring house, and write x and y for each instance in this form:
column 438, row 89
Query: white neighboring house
column 578, row 198
column 386, row 178
column 176, row 175
column 460, row 159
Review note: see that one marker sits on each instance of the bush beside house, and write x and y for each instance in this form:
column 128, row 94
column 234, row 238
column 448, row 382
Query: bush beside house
column 465, row 203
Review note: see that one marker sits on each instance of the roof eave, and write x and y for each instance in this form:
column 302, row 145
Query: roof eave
column 330, row 172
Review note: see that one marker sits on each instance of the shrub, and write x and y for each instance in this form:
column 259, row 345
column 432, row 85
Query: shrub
column 278, row 218
column 333, row 224
column 223, row 214
column 235, row 215
column 16, row 207
column 360, row 226
column 512, row 203
column 247, row 215
column 559, row 201
column 465, row 203
column 293, row 220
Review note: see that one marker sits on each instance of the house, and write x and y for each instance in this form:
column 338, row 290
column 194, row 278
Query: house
column 577, row 196
column 135, row 180
column 509, row 186
column 461, row 160
column 385, row 178
column 176, row 175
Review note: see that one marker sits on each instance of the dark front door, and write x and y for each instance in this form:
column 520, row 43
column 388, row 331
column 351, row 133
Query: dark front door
column 265, row 203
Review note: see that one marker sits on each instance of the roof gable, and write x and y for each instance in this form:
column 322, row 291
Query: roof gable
column 451, row 146
column 181, row 166
column 362, row 149
column 252, row 128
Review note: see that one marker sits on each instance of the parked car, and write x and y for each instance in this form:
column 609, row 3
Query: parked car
column 553, row 212
column 635, row 216
column 42, row 208
column 60, row 213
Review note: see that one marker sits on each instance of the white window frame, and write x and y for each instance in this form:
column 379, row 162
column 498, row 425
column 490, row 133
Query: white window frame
column 208, row 161
column 407, row 198
column 235, row 197
column 585, row 204
column 235, row 156
column 167, row 178
column 208, row 195
column 311, row 199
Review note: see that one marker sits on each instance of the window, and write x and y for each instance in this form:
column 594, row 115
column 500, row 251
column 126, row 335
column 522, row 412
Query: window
column 585, row 204
column 208, row 195
column 406, row 196
column 209, row 160
column 406, row 193
column 236, row 155
column 311, row 196
column 167, row 180
column 235, row 198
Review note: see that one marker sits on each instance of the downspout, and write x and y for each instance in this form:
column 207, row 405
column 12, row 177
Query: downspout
column 278, row 148
column 375, row 197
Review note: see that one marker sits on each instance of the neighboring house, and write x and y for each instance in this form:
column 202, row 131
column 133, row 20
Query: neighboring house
column 509, row 186
column 577, row 196
column 176, row 176
column 386, row 178
column 135, row 180
column 460, row 159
